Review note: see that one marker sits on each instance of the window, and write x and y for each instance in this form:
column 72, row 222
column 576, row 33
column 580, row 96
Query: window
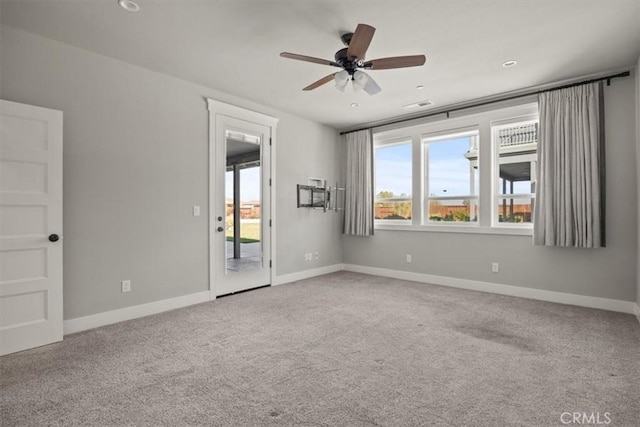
column 452, row 178
column 515, row 145
column 474, row 173
column 393, row 176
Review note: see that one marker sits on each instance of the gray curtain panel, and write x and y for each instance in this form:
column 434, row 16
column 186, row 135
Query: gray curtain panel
column 358, row 209
column 569, row 205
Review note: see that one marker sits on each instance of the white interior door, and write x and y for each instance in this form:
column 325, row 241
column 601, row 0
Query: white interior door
column 241, row 194
column 30, row 226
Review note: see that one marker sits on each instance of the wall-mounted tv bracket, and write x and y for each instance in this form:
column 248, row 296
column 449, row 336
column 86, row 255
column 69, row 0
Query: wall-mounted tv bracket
column 318, row 195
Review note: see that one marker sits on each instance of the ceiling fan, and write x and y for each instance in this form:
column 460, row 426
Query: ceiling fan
column 352, row 58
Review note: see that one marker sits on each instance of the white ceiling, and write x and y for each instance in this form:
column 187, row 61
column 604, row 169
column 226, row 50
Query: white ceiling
column 233, row 45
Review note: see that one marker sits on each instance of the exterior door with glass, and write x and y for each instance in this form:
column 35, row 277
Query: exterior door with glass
column 241, row 199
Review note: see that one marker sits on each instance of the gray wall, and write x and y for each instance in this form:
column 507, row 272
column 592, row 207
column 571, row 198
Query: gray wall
column 311, row 153
column 607, row 273
column 136, row 160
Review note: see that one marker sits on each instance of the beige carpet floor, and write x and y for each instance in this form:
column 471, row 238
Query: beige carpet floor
column 343, row 349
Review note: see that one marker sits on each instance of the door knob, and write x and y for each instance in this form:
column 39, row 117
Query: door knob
column 54, row 237
column 219, row 218
column 220, row 229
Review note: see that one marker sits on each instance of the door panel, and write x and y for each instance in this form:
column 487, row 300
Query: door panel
column 30, row 210
column 242, row 235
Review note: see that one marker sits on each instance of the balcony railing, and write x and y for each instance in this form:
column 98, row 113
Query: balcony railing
column 525, row 134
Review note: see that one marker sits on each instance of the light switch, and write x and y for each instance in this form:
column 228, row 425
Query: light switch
column 196, row 210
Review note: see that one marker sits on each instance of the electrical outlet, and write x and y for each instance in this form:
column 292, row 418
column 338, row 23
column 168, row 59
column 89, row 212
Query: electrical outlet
column 495, row 267
column 126, row 285
column 196, row 210
column 317, row 255
column 409, row 258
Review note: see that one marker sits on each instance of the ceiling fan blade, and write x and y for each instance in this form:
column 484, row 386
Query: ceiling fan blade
column 360, row 41
column 395, row 62
column 320, row 82
column 308, row 59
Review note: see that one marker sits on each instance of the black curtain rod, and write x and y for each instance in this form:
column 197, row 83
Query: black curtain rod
column 493, row 101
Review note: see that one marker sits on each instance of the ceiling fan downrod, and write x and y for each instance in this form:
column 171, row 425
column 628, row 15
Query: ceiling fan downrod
column 346, row 38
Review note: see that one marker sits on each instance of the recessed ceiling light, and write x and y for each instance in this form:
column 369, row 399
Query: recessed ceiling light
column 129, row 5
column 355, row 104
column 510, row 63
column 420, row 87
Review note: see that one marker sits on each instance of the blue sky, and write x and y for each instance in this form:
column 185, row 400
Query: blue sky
column 393, row 169
column 448, row 171
column 249, row 184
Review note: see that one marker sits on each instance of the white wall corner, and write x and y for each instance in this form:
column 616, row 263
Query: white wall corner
column 306, row 274
column 120, row 315
column 628, row 307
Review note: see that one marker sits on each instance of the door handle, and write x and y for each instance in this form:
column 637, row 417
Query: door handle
column 54, row 237
column 220, row 229
column 220, row 218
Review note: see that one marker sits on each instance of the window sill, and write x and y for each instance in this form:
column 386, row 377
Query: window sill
column 468, row 229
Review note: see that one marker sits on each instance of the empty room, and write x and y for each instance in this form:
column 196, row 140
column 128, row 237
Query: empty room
column 319, row 213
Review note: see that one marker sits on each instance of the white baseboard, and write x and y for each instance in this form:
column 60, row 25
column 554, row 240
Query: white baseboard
column 516, row 291
column 306, row 274
column 120, row 315
column 114, row 316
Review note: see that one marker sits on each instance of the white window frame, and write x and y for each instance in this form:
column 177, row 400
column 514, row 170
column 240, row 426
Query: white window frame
column 483, row 121
column 498, row 195
column 438, row 137
column 390, row 143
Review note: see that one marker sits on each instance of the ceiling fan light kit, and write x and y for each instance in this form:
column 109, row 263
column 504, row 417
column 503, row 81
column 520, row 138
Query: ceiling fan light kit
column 341, row 78
column 362, row 81
column 352, row 59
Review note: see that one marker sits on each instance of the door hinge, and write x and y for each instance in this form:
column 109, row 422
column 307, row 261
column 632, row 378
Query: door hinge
column 270, row 263
column 270, row 141
column 269, row 223
column 269, row 182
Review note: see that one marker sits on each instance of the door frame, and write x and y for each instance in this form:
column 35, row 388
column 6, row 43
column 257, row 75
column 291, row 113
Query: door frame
column 217, row 109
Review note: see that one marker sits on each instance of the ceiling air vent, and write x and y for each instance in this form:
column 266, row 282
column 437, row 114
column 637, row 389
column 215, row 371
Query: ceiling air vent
column 417, row 105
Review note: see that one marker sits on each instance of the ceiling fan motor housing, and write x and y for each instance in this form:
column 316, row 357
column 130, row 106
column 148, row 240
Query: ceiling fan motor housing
column 349, row 65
